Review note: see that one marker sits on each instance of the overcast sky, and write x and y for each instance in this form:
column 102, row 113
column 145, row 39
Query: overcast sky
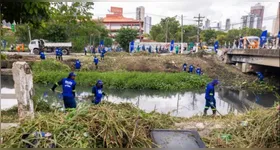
column 215, row 10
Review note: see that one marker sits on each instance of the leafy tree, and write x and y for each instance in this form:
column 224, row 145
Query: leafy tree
column 124, row 36
column 55, row 32
column 221, row 38
column 209, row 36
column 189, row 33
column 25, row 12
column 233, row 34
column 160, row 37
column 108, row 41
column 171, row 25
column 155, row 31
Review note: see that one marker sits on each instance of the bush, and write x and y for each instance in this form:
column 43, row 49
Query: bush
column 130, row 80
column 49, row 65
column 3, row 57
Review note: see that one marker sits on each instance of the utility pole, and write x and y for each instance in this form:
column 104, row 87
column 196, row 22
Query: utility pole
column 199, row 19
column 182, row 29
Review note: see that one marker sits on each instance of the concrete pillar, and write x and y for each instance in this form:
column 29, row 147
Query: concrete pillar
column 246, row 67
column 242, row 95
column 23, row 80
column 238, row 65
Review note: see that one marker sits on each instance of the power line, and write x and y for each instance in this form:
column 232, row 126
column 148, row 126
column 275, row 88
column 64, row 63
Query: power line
column 198, row 25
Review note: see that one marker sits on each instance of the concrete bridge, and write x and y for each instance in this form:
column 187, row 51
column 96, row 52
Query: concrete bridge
column 251, row 60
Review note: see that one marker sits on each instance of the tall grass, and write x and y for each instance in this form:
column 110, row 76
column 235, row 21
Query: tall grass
column 129, row 80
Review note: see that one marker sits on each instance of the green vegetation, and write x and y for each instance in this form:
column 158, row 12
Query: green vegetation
column 49, row 65
column 124, row 36
column 170, row 24
column 130, row 80
column 3, row 57
column 51, row 71
column 90, row 126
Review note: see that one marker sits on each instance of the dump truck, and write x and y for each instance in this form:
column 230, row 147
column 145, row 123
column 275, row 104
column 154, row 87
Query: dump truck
column 38, row 45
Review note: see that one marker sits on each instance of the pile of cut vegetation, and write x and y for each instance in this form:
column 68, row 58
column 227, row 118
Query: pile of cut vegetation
column 104, row 126
column 258, row 128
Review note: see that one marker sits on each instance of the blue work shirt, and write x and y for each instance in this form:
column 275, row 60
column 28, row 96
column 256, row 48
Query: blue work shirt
column 57, row 52
column 98, row 94
column 184, row 66
column 95, row 60
column 78, row 64
column 198, row 71
column 260, row 76
column 210, row 91
column 42, row 55
column 191, row 68
column 68, row 87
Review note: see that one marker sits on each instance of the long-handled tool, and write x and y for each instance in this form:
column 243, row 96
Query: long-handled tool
column 216, row 110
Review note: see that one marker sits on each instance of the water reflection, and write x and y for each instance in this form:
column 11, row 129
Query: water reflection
column 183, row 104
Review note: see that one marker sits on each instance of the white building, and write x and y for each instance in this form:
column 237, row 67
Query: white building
column 140, row 13
column 147, row 24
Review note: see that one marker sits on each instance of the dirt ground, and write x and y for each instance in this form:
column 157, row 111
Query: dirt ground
column 210, row 65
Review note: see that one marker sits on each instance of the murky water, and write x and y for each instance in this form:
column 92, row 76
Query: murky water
column 183, row 104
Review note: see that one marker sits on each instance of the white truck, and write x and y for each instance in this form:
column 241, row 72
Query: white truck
column 38, row 45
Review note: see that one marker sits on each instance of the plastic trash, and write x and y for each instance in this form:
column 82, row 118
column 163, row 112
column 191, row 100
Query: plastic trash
column 86, row 134
column 244, row 123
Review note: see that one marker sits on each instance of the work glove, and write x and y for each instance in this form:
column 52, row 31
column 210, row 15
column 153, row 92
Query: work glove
column 52, row 89
column 104, row 94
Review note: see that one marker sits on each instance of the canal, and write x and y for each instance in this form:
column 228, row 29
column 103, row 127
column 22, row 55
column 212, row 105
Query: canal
column 181, row 104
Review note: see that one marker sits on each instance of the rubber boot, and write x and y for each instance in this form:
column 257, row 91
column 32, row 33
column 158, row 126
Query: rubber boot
column 214, row 112
column 205, row 112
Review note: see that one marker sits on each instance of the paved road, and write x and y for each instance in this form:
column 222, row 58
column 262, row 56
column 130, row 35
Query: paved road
column 71, row 54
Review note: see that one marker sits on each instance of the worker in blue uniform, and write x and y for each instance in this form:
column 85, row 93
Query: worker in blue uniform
column 198, row 71
column 95, row 60
column 260, row 76
column 185, row 67
column 60, row 54
column 78, row 65
column 103, row 54
column 57, row 53
column 68, row 90
column 97, row 92
column 191, row 68
column 42, row 55
column 210, row 97
column 143, row 48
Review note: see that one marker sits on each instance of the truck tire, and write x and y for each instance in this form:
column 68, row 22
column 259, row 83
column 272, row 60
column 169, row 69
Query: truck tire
column 36, row 51
column 65, row 52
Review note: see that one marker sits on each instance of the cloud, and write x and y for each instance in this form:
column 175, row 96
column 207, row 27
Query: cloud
column 215, row 10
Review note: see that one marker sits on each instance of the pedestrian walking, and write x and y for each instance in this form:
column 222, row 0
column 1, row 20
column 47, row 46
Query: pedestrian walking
column 210, row 97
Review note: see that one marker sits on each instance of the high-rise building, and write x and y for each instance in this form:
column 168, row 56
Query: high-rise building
column 276, row 23
column 258, row 11
column 140, row 13
column 207, row 24
column 250, row 21
column 147, row 24
column 227, row 24
column 219, row 26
